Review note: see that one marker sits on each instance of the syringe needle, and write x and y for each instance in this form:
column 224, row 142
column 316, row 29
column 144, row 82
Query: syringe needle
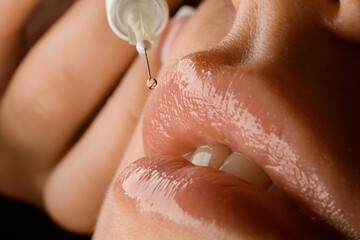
column 151, row 82
column 147, row 64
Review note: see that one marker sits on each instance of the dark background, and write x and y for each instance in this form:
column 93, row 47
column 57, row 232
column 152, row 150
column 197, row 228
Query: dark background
column 20, row 221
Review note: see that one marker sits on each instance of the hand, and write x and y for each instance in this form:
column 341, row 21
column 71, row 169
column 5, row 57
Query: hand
column 65, row 121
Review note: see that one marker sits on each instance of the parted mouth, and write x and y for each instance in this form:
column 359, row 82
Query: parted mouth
column 185, row 201
column 239, row 165
column 236, row 123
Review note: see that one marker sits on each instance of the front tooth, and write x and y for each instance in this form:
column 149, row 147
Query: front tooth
column 210, row 156
column 242, row 167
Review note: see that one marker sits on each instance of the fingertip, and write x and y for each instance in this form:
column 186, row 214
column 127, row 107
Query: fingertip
column 66, row 209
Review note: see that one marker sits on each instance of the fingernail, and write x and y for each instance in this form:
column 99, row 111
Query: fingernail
column 184, row 11
column 178, row 22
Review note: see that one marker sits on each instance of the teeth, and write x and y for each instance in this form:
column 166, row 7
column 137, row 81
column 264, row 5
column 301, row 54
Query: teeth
column 210, row 156
column 239, row 165
column 242, row 167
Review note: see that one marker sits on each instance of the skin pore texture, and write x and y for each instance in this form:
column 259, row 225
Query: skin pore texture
column 281, row 87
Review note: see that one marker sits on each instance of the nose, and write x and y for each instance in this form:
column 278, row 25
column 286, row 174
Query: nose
column 307, row 51
column 276, row 28
column 346, row 19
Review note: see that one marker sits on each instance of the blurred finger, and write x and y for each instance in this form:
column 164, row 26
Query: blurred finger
column 76, row 188
column 45, row 15
column 61, row 81
column 13, row 16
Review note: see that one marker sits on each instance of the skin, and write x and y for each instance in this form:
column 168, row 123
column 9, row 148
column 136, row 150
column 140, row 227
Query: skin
column 62, row 147
column 42, row 118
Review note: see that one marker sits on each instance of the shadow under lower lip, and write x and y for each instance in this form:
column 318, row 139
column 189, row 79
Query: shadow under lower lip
column 173, row 196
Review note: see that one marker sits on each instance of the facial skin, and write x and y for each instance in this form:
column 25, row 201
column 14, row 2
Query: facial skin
column 290, row 68
column 274, row 80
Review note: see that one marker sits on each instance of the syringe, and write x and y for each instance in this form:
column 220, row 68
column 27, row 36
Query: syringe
column 139, row 22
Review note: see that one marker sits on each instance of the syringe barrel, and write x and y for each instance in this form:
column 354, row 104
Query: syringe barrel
column 137, row 20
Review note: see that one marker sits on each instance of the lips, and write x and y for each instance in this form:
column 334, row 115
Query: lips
column 223, row 104
column 182, row 201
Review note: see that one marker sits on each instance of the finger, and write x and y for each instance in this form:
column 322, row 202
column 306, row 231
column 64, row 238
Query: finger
column 45, row 15
column 76, row 188
column 80, row 201
column 97, row 160
column 70, row 199
column 59, row 84
column 13, row 16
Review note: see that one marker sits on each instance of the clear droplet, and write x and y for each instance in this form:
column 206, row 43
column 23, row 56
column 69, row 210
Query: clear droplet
column 152, row 83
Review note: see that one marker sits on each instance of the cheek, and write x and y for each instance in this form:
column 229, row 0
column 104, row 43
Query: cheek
column 205, row 29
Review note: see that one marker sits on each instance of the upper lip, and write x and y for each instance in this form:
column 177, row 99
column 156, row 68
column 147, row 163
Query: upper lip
column 219, row 103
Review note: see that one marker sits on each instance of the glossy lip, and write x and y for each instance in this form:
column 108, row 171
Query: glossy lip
column 208, row 203
column 223, row 104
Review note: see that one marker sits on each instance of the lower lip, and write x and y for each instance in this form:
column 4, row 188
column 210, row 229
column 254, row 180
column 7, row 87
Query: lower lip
column 167, row 191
